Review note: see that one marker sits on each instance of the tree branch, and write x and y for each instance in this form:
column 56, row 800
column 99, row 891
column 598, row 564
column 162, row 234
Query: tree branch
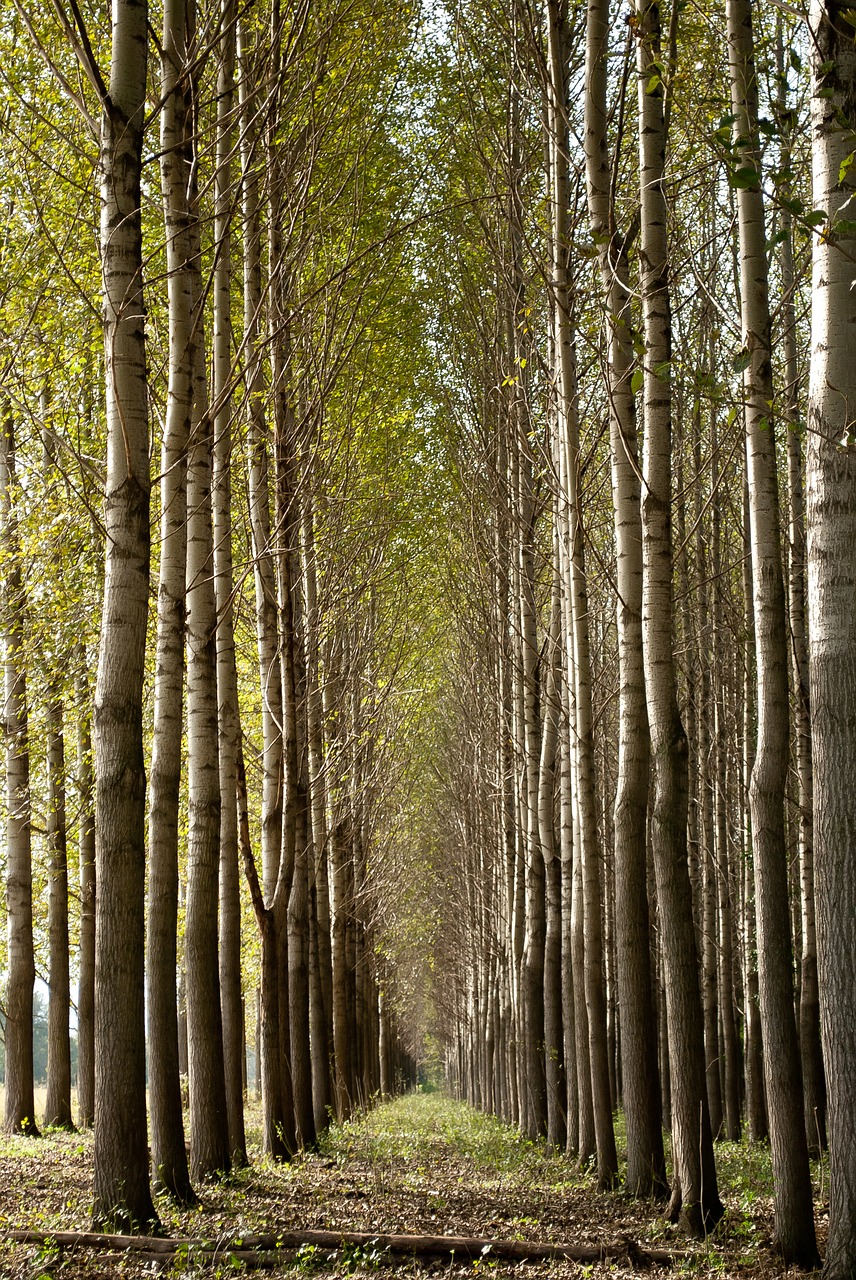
column 252, row 1246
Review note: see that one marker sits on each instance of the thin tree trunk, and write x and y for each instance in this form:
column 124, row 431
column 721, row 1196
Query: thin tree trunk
column 209, row 1131
column 277, row 1136
column 169, row 1156
column 294, row 874
column 814, row 1082
column 756, row 1105
column 229, row 725
column 321, row 961
column 278, row 1124
column 20, row 1111
column 532, row 960
column 257, row 480
column 632, row 792
column 58, row 1100
column 553, row 1032
column 794, row 1214
column 86, row 862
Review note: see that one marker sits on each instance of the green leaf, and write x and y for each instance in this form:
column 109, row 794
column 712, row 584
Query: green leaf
column 742, row 361
column 793, row 205
column 637, row 381
column 844, row 166
column 745, row 178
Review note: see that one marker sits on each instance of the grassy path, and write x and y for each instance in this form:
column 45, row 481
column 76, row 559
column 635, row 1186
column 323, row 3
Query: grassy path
column 421, row 1164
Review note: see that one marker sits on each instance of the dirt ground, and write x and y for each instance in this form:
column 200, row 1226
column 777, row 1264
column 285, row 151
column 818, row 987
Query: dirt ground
column 421, row 1165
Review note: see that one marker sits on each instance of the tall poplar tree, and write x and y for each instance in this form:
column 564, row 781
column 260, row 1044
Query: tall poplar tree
column 795, row 1236
column 121, row 1176
column 832, row 594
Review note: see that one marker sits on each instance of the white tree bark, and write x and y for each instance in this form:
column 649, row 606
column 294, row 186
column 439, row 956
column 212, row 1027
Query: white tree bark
column 169, row 1157
column 832, row 597
column 794, row 1213
column 209, row 1130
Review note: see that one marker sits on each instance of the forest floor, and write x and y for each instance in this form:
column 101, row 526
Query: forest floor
column 422, row 1164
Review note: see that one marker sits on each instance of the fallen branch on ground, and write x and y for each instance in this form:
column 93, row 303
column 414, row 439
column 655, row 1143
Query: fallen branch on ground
column 251, row 1246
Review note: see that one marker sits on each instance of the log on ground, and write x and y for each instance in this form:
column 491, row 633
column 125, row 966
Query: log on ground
column 409, row 1245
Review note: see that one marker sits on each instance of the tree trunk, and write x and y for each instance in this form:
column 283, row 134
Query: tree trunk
column 553, row 1031
column 58, row 1100
column 814, row 1082
column 831, row 527
column 169, row 1156
column 727, row 1060
column 321, row 959
column 756, row 1103
column 794, row 1214
column 20, row 1112
column 86, row 860
column 632, row 792
column 257, row 480
column 121, row 1178
column 277, row 1133
column 296, row 826
column 209, row 1130
column 229, row 725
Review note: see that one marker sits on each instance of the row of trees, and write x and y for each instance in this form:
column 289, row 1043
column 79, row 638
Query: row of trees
column 633, row 807
column 502, row 633
column 240, row 727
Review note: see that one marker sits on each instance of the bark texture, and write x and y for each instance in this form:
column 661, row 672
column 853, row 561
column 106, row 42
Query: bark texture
column 122, row 1196
column 794, row 1212
column 20, row 1111
column 169, row 1156
column 832, row 604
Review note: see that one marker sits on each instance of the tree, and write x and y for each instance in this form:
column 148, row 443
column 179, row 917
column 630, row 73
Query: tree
column 122, row 1193
column 20, row 1106
column 612, row 255
column 58, row 1100
column 795, row 1236
column 227, row 677
column 169, row 1157
column 831, row 525
column 86, row 880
